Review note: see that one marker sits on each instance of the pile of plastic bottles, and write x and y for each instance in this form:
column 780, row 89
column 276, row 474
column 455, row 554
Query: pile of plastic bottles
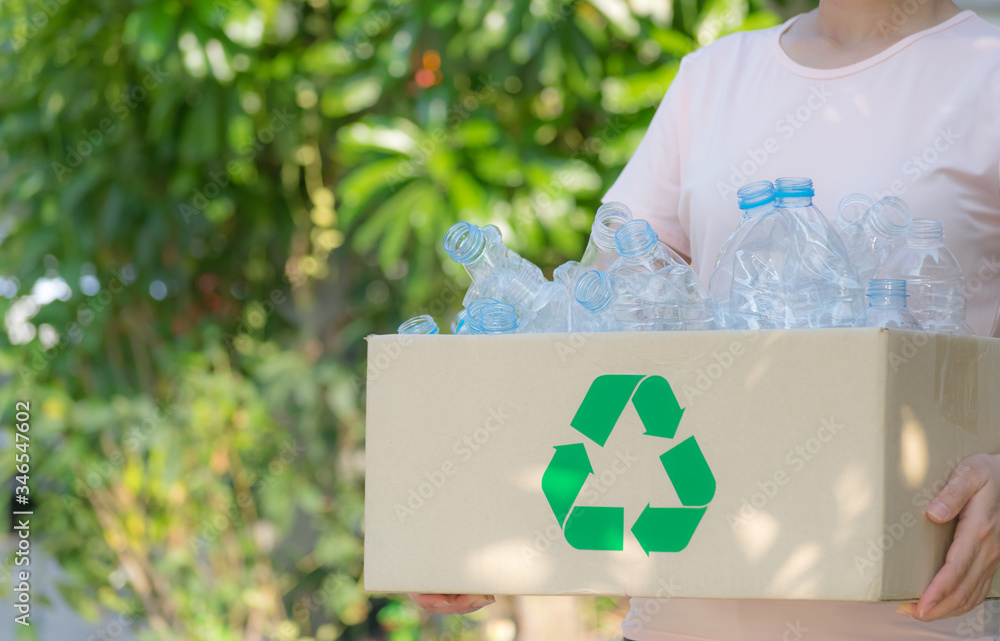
column 785, row 266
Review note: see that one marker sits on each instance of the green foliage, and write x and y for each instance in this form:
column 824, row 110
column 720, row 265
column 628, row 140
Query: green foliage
column 254, row 186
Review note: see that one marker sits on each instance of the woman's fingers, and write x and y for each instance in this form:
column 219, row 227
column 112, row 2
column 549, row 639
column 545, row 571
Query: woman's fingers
column 451, row 603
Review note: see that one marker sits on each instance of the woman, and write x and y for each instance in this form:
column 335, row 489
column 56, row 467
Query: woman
column 883, row 97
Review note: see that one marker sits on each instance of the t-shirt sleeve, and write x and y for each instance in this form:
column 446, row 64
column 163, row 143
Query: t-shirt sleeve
column 650, row 182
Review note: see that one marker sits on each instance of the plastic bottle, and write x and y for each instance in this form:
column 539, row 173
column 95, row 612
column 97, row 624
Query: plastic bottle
column 595, row 296
column 870, row 237
column 887, row 305
column 422, row 324
column 555, row 314
column 601, row 251
column 494, row 318
column 655, row 288
column 822, row 288
column 496, row 271
column 754, row 199
column 934, row 278
column 480, row 250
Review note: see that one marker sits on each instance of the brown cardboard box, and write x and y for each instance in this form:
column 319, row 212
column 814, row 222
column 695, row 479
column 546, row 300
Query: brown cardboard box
column 799, row 467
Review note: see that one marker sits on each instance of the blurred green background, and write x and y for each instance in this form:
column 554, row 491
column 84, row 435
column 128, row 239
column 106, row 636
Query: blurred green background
column 204, row 208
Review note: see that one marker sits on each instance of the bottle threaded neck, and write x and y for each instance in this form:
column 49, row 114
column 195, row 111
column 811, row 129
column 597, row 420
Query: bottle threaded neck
column 422, row 324
column 464, row 242
column 890, row 217
column 887, row 292
column 594, row 291
column 497, row 318
column 794, row 188
column 755, row 194
column 609, row 218
column 635, row 239
column 925, row 230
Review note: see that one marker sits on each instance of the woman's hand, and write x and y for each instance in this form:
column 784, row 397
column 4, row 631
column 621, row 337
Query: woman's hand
column 451, row 603
column 973, row 495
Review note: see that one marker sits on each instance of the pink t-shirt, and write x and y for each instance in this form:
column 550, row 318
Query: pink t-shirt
column 920, row 120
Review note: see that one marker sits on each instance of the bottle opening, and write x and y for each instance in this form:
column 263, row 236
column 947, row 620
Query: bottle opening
column 464, row 242
column 794, row 188
column 634, row 239
column 594, row 290
column 497, row 318
column 755, row 194
column 891, row 216
column 422, row 324
column 609, row 218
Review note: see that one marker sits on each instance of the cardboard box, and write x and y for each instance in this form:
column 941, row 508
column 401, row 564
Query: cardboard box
column 798, row 468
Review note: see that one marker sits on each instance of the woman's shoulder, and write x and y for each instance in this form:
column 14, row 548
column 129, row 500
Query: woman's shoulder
column 738, row 48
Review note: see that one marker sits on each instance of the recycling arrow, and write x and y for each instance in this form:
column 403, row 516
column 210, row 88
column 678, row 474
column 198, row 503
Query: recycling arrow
column 658, row 529
column 666, row 529
column 564, row 478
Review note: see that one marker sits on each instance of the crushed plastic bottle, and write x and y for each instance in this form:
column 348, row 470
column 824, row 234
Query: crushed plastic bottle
column 496, row 271
column 655, row 288
column 754, row 199
column 887, row 305
column 822, row 288
column 933, row 277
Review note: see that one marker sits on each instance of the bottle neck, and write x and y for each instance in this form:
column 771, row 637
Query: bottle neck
column 897, row 301
column 758, row 210
column 794, row 202
column 925, row 232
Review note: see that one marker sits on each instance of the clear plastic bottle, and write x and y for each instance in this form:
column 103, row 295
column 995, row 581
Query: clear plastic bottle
column 595, row 296
column 422, row 324
column 934, row 278
column 496, row 271
column 887, row 305
column 554, row 315
column 870, row 237
column 495, row 318
column 601, row 250
column 754, row 199
column 655, row 288
column 480, row 250
column 822, row 288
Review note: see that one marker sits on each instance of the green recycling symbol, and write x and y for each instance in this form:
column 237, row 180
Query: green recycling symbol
column 658, row 529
